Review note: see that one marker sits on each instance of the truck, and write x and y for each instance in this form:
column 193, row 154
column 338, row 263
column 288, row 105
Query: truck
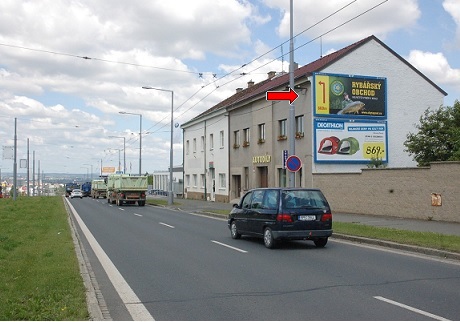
column 86, row 189
column 98, row 189
column 69, row 188
column 124, row 188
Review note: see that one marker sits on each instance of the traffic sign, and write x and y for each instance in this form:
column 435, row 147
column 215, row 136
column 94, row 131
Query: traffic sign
column 293, row 163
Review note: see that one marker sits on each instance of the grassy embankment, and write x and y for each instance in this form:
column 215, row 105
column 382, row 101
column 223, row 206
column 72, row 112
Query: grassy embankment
column 39, row 271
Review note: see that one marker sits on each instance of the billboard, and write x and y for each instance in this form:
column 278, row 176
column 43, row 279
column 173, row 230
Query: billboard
column 349, row 96
column 350, row 141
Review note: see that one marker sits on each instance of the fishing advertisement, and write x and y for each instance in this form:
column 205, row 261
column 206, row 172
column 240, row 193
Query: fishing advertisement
column 350, row 141
column 349, row 96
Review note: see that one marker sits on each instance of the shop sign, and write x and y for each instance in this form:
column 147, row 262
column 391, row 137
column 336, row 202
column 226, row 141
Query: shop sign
column 262, row 159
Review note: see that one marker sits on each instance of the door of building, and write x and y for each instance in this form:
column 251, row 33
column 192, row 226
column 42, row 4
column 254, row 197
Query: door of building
column 263, row 177
column 236, row 186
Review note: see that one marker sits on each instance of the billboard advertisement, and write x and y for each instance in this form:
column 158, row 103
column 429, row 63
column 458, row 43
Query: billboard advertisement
column 349, row 96
column 349, row 141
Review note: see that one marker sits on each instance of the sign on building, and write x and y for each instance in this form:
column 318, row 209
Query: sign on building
column 349, row 96
column 350, row 141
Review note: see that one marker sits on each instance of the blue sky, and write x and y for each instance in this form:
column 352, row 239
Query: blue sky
column 69, row 107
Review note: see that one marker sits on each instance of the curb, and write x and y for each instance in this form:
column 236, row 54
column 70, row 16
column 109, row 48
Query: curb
column 410, row 248
column 97, row 307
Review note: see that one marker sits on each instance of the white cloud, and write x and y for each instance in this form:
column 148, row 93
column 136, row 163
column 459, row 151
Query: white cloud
column 453, row 8
column 390, row 16
column 435, row 66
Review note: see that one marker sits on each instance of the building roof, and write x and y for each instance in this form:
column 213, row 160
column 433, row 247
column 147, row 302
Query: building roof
column 304, row 71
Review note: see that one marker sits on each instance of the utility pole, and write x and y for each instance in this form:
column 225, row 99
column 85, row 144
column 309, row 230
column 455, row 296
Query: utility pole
column 291, row 85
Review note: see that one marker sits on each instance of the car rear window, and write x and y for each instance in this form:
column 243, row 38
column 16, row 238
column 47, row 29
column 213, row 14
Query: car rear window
column 297, row 199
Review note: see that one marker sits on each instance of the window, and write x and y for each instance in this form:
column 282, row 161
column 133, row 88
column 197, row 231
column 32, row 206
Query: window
column 246, row 178
column 299, row 130
column 236, row 139
column 258, row 195
column 247, row 137
column 194, row 180
column 202, row 143
column 202, row 180
column 211, row 141
column 222, row 142
column 222, row 182
column 282, row 130
column 261, row 133
column 246, row 203
column 194, row 145
column 187, row 180
column 187, row 147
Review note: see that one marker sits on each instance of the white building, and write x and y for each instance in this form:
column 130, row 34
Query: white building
column 332, row 135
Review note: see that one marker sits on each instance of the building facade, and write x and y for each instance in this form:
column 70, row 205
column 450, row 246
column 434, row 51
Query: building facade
column 355, row 105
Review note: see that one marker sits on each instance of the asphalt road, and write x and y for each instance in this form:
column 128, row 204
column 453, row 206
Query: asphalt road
column 186, row 267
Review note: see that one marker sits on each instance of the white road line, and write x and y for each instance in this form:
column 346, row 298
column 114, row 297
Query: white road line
column 410, row 308
column 228, row 246
column 162, row 223
column 133, row 304
column 121, row 209
column 137, row 215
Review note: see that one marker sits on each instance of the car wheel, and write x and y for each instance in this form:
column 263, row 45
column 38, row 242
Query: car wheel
column 269, row 242
column 320, row 242
column 234, row 231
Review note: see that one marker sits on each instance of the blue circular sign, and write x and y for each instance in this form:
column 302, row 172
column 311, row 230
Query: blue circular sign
column 293, row 163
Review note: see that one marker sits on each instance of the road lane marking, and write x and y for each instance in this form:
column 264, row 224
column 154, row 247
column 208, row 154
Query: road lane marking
column 162, row 223
column 121, row 209
column 228, row 246
column 133, row 304
column 137, row 215
column 410, row 308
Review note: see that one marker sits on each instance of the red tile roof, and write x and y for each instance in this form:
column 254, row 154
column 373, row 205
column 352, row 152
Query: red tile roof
column 307, row 70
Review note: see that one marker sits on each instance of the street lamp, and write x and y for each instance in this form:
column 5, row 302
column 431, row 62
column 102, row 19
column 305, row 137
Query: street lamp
column 170, row 192
column 91, row 170
column 140, row 139
column 124, row 151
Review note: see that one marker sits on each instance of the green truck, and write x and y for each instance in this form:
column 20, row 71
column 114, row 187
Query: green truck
column 126, row 189
column 98, row 189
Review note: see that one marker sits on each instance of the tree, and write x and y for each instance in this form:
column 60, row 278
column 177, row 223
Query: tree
column 438, row 137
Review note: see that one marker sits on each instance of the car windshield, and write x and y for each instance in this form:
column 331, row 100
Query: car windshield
column 298, row 199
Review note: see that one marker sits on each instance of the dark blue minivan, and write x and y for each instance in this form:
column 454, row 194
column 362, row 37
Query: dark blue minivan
column 282, row 214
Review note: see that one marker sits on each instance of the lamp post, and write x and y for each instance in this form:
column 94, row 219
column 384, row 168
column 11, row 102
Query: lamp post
column 124, row 151
column 91, row 178
column 170, row 190
column 140, row 139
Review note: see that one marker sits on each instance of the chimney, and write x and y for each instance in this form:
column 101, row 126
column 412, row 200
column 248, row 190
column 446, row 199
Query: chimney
column 250, row 83
column 271, row 74
column 239, row 89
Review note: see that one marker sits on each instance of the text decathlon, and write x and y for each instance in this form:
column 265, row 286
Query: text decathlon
column 330, row 125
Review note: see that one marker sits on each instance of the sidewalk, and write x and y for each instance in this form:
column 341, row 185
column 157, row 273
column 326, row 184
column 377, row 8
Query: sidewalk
column 445, row 228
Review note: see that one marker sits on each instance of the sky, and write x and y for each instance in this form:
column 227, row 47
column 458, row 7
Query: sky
column 69, row 67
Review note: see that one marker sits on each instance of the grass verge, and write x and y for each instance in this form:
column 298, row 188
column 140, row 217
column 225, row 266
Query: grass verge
column 39, row 271
column 422, row 239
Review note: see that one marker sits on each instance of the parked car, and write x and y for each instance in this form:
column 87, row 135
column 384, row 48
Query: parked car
column 76, row 193
column 282, row 214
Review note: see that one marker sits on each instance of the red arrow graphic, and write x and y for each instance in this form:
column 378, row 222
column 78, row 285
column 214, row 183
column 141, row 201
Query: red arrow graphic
column 290, row 96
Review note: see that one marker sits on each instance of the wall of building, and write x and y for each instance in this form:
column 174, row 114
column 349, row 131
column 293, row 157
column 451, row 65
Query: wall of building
column 398, row 192
column 408, row 96
column 206, row 158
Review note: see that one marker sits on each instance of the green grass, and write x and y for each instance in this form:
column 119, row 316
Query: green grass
column 423, row 239
column 39, row 272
